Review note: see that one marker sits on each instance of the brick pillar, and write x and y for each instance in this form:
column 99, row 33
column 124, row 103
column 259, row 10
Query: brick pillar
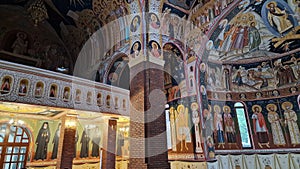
column 148, row 140
column 109, row 147
column 66, row 143
column 136, row 128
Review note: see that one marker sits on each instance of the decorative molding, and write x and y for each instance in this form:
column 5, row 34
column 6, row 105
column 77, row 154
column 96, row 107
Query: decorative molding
column 48, row 78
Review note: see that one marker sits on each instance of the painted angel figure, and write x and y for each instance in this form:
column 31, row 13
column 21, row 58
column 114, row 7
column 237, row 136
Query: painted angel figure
column 182, row 126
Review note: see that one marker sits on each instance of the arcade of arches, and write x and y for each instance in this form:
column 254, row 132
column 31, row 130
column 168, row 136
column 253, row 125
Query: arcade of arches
column 149, row 84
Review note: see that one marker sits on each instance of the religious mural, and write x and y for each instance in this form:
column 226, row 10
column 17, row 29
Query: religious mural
column 88, row 141
column 6, row 84
column 122, row 143
column 154, row 21
column 221, row 125
column 55, row 141
column 271, row 123
column 39, row 89
column 42, row 140
column 172, row 25
column 135, row 23
column 254, row 48
column 185, row 126
column 118, row 74
column 174, row 76
column 254, row 30
column 155, row 49
column 87, row 144
column 135, row 51
column 256, row 76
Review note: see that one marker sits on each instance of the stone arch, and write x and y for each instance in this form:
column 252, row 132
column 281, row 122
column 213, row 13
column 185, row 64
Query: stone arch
column 116, row 72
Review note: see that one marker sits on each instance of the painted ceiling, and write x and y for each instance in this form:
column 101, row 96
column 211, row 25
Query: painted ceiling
column 71, row 24
column 242, row 34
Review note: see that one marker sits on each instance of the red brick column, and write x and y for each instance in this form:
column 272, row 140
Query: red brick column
column 156, row 136
column 109, row 147
column 148, row 141
column 66, row 145
column 136, row 129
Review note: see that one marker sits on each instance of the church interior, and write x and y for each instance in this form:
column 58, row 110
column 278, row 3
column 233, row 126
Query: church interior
column 149, row 84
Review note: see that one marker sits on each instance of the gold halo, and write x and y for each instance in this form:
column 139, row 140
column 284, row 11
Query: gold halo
column 286, row 104
column 259, row 107
column 209, row 108
column 272, row 2
column 217, row 107
column 180, row 107
column 252, row 22
column 194, row 104
column 224, row 107
column 270, row 105
column 250, row 15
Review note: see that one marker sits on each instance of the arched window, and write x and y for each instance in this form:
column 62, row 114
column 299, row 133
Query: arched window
column 14, row 144
column 243, row 125
column 168, row 126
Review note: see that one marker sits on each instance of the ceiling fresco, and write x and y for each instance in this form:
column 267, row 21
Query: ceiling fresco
column 72, row 23
column 255, row 30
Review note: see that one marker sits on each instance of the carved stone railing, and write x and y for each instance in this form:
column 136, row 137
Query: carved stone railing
column 25, row 84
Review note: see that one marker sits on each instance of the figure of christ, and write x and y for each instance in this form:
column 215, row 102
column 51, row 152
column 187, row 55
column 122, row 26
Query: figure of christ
column 278, row 18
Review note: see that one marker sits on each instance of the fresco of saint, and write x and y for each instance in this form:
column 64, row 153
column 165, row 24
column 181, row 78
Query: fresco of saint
column 274, row 119
column 42, row 141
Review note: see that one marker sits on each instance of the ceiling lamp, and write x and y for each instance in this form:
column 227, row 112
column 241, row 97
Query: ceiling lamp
column 38, row 11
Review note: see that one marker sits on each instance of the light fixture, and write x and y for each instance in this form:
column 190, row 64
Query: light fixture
column 70, row 123
column 16, row 123
column 38, row 11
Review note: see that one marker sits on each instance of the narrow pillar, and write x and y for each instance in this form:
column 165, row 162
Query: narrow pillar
column 148, row 139
column 109, row 147
column 137, row 125
column 66, row 144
